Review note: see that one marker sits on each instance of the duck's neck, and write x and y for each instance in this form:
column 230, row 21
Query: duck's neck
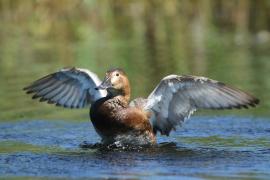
column 121, row 100
column 126, row 93
column 123, row 95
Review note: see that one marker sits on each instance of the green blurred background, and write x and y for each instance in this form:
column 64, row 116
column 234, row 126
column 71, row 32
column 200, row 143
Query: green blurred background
column 227, row 40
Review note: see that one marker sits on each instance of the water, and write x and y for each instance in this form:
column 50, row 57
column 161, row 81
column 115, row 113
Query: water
column 225, row 40
column 205, row 148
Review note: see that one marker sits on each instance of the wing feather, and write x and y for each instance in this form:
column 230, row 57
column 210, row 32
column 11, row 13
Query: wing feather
column 68, row 101
column 177, row 97
column 59, row 93
column 69, row 87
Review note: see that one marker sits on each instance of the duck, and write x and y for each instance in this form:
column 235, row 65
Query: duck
column 116, row 118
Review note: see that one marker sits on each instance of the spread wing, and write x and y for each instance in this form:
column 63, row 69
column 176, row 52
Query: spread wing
column 177, row 97
column 69, row 87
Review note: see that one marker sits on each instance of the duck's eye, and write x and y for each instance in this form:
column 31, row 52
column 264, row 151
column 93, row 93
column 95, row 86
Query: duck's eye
column 117, row 74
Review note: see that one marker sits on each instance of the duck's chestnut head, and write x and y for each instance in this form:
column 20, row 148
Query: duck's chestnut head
column 116, row 83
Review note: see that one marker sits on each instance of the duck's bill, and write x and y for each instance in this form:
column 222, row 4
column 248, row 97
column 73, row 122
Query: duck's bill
column 105, row 84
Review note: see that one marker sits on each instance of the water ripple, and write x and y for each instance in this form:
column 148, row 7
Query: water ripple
column 205, row 148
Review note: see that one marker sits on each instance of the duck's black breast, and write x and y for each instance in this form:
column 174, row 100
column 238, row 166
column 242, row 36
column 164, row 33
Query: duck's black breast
column 94, row 110
column 104, row 114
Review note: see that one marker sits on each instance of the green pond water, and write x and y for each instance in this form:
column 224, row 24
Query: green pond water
column 149, row 40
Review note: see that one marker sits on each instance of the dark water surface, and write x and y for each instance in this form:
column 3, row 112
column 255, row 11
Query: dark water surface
column 205, row 148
